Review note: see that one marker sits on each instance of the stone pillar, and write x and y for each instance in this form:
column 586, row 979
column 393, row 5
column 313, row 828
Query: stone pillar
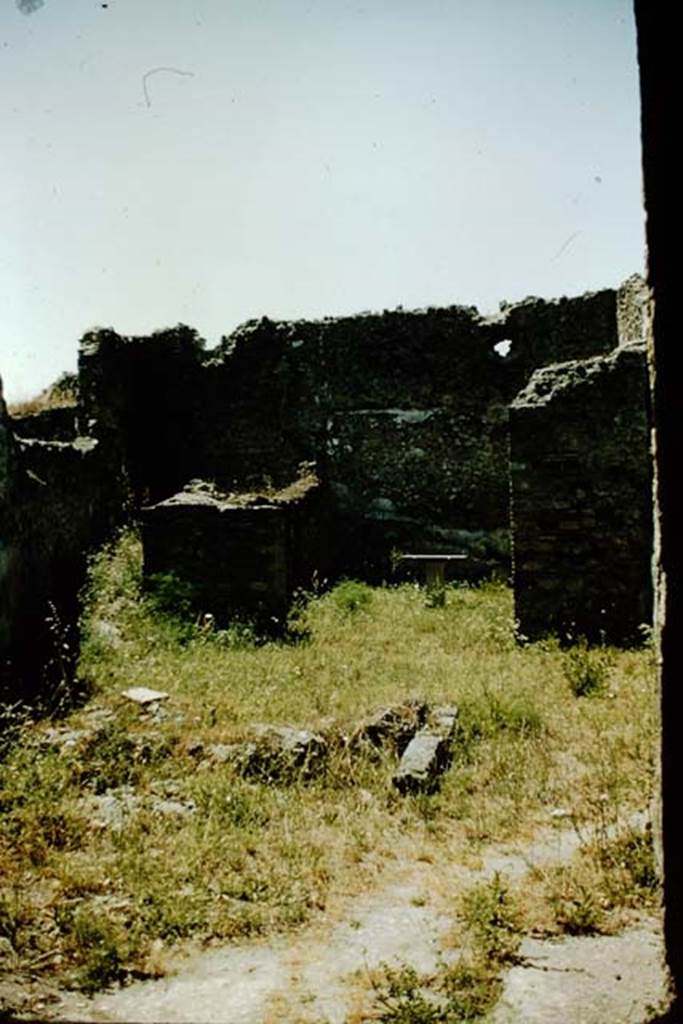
column 581, row 499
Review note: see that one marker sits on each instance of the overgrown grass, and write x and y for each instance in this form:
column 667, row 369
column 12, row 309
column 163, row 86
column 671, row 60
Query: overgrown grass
column 95, row 903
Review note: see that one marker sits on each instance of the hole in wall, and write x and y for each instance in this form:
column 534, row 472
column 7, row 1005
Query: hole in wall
column 503, row 348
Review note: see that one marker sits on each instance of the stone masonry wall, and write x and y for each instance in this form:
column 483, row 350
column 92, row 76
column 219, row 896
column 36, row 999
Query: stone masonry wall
column 404, row 414
column 241, row 556
column 58, row 501
column 581, row 499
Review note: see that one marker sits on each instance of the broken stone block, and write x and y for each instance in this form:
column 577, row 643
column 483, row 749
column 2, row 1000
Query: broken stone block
column 240, row 556
column 394, row 725
column 281, row 752
column 113, row 808
column 429, row 754
column 237, row 754
column 65, row 738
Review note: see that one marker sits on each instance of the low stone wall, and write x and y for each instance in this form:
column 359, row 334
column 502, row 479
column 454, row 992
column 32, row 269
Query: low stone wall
column 582, row 499
column 242, row 556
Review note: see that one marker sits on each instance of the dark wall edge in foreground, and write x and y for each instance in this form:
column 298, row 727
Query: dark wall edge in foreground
column 660, row 115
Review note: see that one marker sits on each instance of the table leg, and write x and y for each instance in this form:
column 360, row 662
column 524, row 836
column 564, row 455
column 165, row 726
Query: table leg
column 436, row 585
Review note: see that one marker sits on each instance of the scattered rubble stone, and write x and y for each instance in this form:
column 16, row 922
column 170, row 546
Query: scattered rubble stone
column 227, row 753
column 63, row 737
column 181, row 808
column 276, row 753
column 113, row 808
column 428, row 755
column 107, row 632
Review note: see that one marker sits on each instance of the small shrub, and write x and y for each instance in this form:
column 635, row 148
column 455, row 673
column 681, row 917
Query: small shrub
column 113, row 758
column 587, row 669
column 461, row 992
column 11, row 919
column 485, row 716
column 171, row 594
column 100, row 947
column 471, row 989
column 238, row 635
column 350, row 597
column 493, row 919
column 400, row 998
column 629, row 867
column 576, row 908
column 610, row 874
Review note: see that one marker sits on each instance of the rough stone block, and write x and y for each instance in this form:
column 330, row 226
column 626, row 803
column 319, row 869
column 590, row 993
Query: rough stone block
column 394, row 725
column 429, row 753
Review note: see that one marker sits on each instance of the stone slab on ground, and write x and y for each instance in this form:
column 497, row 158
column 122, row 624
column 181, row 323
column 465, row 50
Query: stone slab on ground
column 276, row 753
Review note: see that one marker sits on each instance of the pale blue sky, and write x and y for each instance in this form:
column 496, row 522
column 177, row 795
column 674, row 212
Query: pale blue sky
column 314, row 157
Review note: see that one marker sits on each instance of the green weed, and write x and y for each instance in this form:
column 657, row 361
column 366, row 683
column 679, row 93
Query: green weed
column 401, row 996
column 100, row 946
column 587, row 669
column 350, row 597
column 171, row 594
column 492, row 917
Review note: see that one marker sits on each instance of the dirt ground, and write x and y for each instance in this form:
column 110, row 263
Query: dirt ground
column 323, row 974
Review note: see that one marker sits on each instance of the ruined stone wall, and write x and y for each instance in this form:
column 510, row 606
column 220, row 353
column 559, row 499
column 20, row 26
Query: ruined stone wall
column 403, row 413
column 57, row 424
column 242, row 556
column 58, row 501
column 143, row 395
column 581, row 499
